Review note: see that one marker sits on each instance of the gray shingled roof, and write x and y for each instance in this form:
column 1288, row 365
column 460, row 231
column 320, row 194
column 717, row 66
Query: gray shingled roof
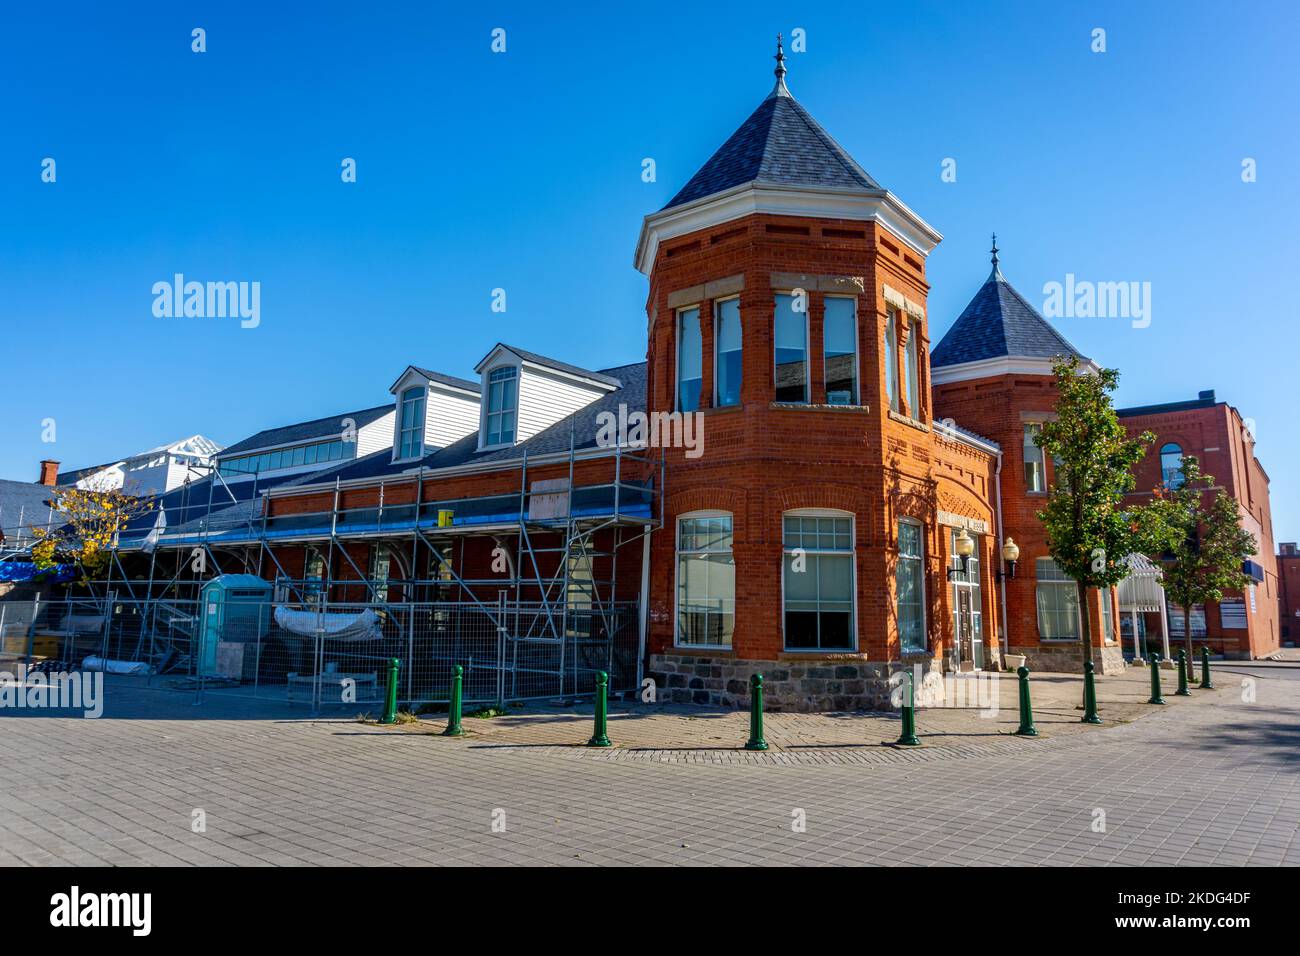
column 451, row 380
column 557, row 365
column 306, row 431
column 782, row 145
column 24, row 504
column 999, row 322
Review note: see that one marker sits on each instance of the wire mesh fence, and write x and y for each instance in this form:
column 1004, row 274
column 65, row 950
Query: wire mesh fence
column 320, row 654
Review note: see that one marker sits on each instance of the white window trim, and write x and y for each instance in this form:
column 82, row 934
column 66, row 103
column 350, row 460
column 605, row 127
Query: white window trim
column 857, row 352
column 397, row 423
column 807, row 348
column 853, row 577
column 486, row 387
column 717, row 319
column 925, row 622
column 677, row 538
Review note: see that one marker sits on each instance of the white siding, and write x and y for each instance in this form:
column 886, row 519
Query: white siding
column 545, row 399
column 448, row 416
column 376, row 436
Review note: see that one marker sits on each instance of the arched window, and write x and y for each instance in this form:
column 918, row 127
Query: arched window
column 410, row 438
column 818, row 578
column 501, row 405
column 706, row 580
column 1171, row 462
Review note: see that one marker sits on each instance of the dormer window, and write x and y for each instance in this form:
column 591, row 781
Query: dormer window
column 502, row 405
column 410, row 435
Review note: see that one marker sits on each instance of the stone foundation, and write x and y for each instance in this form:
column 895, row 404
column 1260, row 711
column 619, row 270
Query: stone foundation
column 845, row 682
column 1064, row 658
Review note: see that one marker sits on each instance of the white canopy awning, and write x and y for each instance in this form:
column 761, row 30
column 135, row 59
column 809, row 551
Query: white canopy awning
column 1141, row 590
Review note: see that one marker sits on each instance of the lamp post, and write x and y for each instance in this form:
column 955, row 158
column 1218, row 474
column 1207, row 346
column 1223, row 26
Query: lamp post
column 1010, row 555
column 963, row 547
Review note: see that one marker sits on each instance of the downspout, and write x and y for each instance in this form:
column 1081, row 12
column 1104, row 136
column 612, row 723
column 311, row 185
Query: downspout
column 644, row 610
column 1002, row 577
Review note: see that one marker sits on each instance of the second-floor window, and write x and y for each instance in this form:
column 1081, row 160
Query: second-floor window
column 1034, row 480
column 690, row 360
column 410, row 438
column 891, row 360
column 1171, row 463
column 840, row 338
column 727, row 351
column 502, row 405
column 791, row 340
column 913, row 370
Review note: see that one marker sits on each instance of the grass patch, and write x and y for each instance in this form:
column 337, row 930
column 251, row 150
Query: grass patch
column 487, row 713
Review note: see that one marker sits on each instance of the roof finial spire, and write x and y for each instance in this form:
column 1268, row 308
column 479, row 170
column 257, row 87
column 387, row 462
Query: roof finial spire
column 780, row 88
column 997, row 269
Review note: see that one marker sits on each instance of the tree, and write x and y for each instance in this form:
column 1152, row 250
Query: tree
column 92, row 520
column 1089, row 531
column 1203, row 542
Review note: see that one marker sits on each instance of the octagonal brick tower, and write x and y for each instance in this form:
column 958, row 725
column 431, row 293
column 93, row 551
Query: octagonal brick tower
column 786, row 307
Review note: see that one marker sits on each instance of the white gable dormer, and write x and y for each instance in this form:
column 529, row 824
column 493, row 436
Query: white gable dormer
column 432, row 411
column 524, row 393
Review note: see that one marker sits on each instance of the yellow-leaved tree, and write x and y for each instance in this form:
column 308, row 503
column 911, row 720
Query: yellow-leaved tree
column 92, row 518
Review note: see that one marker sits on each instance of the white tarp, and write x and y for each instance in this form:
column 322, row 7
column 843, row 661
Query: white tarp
column 363, row 626
column 114, row 667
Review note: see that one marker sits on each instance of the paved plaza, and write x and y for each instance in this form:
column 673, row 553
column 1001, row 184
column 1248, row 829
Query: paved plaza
column 1208, row 780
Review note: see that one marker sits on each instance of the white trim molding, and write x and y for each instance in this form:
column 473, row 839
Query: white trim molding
column 1001, row 365
column 866, row 205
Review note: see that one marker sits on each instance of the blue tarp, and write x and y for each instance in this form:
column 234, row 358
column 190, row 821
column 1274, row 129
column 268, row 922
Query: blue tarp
column 19, row 571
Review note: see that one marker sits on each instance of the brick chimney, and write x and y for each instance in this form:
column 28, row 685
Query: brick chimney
column 49, row 472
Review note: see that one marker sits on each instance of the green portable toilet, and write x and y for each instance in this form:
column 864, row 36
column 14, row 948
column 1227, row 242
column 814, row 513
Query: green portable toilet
column 234, row 609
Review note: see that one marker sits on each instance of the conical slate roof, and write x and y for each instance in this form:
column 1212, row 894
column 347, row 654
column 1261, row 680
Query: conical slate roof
column 781, row 145
column 999, row 323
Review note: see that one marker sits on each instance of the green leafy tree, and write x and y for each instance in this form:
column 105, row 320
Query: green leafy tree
column 1089, row 531
column 1203, row 541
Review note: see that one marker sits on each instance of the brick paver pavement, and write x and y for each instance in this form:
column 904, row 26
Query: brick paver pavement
column 1195, row 782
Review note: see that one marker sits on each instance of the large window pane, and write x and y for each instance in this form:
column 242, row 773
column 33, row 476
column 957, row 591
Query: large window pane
column 706, row 581
column 411, row 430
column 1058, row 602
column 1171, row 461
column 503, row 385
column 727, row 346
column 910, row 588
column 690, row 360
column 818, row 582
column 791, row 350
column 840, row 335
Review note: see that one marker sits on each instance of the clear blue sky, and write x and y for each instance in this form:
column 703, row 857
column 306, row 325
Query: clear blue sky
column 522, row 171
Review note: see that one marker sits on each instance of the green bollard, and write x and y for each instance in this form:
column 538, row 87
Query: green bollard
column 1205, row 669
column 1183, row 667
column 454, row 728
column 390, row 699
column 1155, row 681
column 1026, row 728
column 908, row 737
column 756, row 741
column 599, row 736
column 1089, row 695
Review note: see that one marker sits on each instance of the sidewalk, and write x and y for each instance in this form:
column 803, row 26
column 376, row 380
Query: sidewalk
column 677, row 733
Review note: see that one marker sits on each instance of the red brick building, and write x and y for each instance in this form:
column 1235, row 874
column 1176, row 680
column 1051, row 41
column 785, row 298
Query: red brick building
column 1288, row 583
column 830, row 507
column 1242, row 625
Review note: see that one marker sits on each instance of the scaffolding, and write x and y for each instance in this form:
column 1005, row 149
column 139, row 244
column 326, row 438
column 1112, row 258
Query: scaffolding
column 549, row 537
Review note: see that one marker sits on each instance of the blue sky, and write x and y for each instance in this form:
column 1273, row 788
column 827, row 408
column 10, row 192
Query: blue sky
column 522, row 171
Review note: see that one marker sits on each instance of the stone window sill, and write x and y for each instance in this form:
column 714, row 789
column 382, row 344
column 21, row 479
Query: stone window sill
column 908, row 421
column 808, row 406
